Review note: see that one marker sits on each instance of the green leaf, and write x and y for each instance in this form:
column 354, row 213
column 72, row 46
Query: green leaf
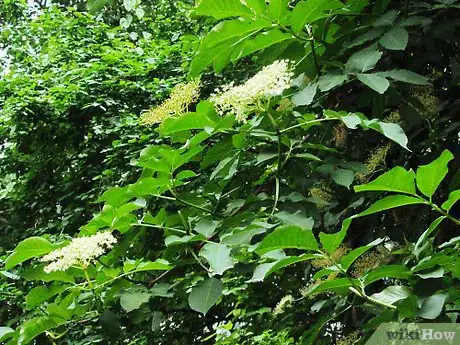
column 157, row 265
column 291, row 260
column 331, row 242
column 96, row 5
column 261, row 41
column 199, row 120
column 349, row 258
column 430, row 176
column 405, row 76
column 363, row 60
column 391, row 130
column 5, row 333
column 307, row 12
column 414, row 21
column 395, row 39
column 299, row 219
column 222, row 40
column 288, row 236
column 343, row 177
column 34, row 327
column 331, row 80
column 307, row 156
column 278, row 9
column 257, row 6
column 134, row 297
column 387, row 271
column 339, row 285
column 41, row 294
column 157, row 320
column 392, row 294
column 421, row 241
column 306, row 95
column 387, row 19
column 435, row 273
column 432, row 306
column 206, row 227
column 261, row 272
column 222, row 9
column 218, row 257
column 29, row 248
column 396, row 180
column 389, row 202
column 367, row 36
column 205, row 295
column 451, row 201
column 374, row 81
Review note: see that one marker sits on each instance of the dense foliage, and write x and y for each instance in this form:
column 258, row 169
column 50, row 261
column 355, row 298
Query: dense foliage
column 304, row 191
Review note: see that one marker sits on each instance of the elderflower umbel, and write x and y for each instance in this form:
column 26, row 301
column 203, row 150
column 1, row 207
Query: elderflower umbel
column 79, row 252
column 181, row 97
column 243, row 99
column 284, row 303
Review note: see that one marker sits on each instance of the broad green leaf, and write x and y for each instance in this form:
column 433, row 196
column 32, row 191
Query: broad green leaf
column 157, row 320
column 257, row 6
column 37, row 274
column 308, row 156
column 115, row 196
column 430, row 176
column 299, row 219
column 331, row 242
column 363, row 60
column 337, row 285
column 206, row 227
column 389, row 202
column 222, row 40
column 307, row 12
column 288, row 236
column 96, row 5
column 452, row 242
column 306, row 95
column 205, row 295
column 218, row 257
column 29, row 248
column 432, row 306
column 185, row 122
column 435, row 273
column 396, row 180
column 5, row 333
column 414, row 21
column 343, row 177
column 261, row 41
column 387, row 19
column 134, row 297
column 157, row 265
column 374, row 81
column 405, row 76
column 386, row 271
column 129, row 5
column 349, row 258
column 392, row 294
column 222, row 9
column 291, row 260
column 278, row 9
column 32, row 328
column 41, row 294
column 261, row 271
column 451, row 201
column 395, row 39
column 331, row 80
column 352, row 121
column 240, row 237
column 367, row 36
column 391, row 130
column 421, row 241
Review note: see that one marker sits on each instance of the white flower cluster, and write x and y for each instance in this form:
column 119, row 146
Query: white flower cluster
column 243, row 99
column 80, row 252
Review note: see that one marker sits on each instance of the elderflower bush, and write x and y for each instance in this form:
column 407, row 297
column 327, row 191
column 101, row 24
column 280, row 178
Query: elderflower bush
column 246, row 217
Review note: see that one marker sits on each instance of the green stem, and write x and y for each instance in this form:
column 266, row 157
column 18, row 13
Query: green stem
column 88, row 279
column 444, row 213
column 306, row 123
column 185, row 202
column 158, row 227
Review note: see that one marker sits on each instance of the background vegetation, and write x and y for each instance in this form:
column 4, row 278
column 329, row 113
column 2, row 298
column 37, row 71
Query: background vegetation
column 330, row 210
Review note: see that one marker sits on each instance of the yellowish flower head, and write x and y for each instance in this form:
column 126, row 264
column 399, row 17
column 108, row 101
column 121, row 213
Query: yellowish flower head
column 178, row 102
column 244, row 99
column 81, row 252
